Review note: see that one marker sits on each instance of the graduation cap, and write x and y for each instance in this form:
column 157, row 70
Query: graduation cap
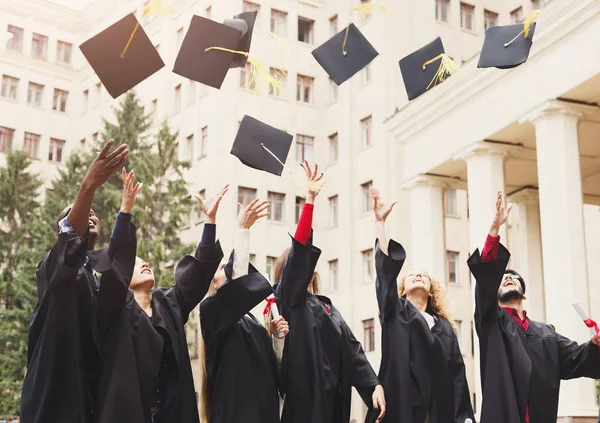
column 244, row 22
column 345, row 54
column 426, row 68
column 207, row 51
column 508, row 46
column 119, row 71
column 261, row 146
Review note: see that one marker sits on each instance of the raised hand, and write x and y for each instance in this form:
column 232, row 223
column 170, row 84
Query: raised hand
column 105, row 165
column 210, row 207
column 130, row 191
column 279, row 326
column 381, row 210
column 252, row 212
column 379, row 402
column 314, row 181
column 501, row 215
column 596, row 340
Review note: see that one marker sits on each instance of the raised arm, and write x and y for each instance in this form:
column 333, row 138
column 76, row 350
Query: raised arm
column 579, row 360
column 248, row 216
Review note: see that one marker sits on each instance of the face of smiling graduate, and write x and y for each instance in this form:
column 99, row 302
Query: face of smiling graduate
column 143, row 276
column 512, row 287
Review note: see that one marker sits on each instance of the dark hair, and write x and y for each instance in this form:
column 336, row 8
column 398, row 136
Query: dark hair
column 519, row 277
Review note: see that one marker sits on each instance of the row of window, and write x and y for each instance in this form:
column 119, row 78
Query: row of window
column 35, row 93
column 39, row 45
column 31, row 145
column 467, row 14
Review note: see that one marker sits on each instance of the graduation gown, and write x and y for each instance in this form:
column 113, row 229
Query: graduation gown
column 322, row 360
column 132, row 346
column 422, row 369
column 521, row 368
column 240, row 364
column 62, row 339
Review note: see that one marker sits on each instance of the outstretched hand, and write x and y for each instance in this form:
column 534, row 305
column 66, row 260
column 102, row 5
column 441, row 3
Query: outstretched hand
column 211, row 206
column 381, row 210
column 252, row 212
column 130, row 191
column 105, row 165
column 314, row 181
column 501, row 216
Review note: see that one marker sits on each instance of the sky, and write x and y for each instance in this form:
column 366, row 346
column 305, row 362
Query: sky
column 74, row 4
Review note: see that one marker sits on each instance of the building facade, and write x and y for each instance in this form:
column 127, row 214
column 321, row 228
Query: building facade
column 443, row 156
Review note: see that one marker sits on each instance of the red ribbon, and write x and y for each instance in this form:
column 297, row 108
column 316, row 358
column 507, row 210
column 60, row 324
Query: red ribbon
column 591, row 324
column 270, row 300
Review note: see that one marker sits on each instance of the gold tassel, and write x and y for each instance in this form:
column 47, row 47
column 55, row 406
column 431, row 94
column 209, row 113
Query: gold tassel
column 315, row 186
column 365, row 9
column 156, row 8
column 447, row 67
column 529, row 20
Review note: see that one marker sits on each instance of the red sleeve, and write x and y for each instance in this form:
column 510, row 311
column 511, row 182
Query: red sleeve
column 304, row 224
column 490, row 248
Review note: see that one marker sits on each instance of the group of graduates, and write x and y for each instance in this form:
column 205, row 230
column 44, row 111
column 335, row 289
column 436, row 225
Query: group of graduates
column 114, row 349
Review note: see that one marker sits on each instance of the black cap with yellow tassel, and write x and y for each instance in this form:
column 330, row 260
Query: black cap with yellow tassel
column 508, row 46
column 244, row 22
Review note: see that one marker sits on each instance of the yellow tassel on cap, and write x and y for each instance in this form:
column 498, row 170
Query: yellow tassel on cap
column 365, row 9
column 529, row 20
column 447, row 67
column 156, row 8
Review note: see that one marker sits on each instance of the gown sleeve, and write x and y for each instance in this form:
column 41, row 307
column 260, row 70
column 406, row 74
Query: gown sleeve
column 460, row 389
column 297, row 273
column 388, row 268
column 488, row 276
column 362, row 375
column 578, row 360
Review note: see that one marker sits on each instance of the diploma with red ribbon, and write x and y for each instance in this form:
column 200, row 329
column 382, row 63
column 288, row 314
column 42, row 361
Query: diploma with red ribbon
column 272, row 305
column 586, row 319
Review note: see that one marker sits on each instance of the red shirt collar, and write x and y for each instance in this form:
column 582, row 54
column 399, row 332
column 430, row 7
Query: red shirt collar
column 513, row 313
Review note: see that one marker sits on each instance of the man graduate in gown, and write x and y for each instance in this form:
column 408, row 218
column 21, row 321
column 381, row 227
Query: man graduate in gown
column 62, row 340
column 522, row 361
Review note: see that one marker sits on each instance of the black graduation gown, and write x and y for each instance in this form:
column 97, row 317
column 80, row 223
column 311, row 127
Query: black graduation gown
column 521, row 368
column 322, row 360
column 422, row 370
column 240, row 364
column 62, row 340
column 132, row 347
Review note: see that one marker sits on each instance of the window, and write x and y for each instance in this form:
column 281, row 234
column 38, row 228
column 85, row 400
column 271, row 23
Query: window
column 179, row 37
column 458, row 330
column 203, row 142
column 467, row 16
column 177, row 102
column 367, row 198
column 271, row 268
column 252, row 259
column 364, row 17
column 537, row 4
column 452, row 259
column 157, row 47
column 276, row 200
column 82, row 143
column 208, row 12
column 367, row 264
column 59, row 102
column 191, row 92
column 6, row 138
column 442, row 10
column 490, row 19
column 86, row 100
column 34, row 94
column 97, row 94
column 333, row 148
column 278, row 23
column 63, row 52
column 201, row 193
column 333, row 211
column 189, row 147
column 333, row 25
column 305, row 30
column 333, row 91
column 56, row 150
column 39, row 45
column 31, row 145
column 15, row 39
column 280, row 76
column 304, row 89
column 246, row 195
column 369, row 335
column 516, row 15
column 304, row 148
column 10, row 86
column 154, row 109
column 248, row 6
column 245, row 80
column 450, row 203
column 95, row 136
column 299, row 205
column 176, row 153
column 365, row 75
column 365, row 132
column 333, row 275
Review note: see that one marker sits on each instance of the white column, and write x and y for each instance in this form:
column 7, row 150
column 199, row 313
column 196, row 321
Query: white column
column 485, row 174
column 526, row 249
column 427, row 248
column 563, row 238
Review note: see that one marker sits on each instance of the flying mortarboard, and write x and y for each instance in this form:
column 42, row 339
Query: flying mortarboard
column 426, row 68
column 121, row 72
column 244, row 22
column 508, row 46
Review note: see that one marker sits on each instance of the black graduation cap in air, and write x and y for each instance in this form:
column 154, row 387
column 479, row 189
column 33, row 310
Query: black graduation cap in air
column 207, row 67
column 418, row 75
column 120, row 66
column 506, row 47
column 248, row 145
column 244, row 22
column 343, row 63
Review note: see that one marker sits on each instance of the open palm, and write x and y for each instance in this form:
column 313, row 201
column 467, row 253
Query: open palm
column 211, row 206
column 380, row 208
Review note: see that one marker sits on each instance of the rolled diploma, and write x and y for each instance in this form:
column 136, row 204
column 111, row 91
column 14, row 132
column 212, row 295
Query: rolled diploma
column 584, row 316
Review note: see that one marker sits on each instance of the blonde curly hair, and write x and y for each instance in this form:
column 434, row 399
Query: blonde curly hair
column 437, row 301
